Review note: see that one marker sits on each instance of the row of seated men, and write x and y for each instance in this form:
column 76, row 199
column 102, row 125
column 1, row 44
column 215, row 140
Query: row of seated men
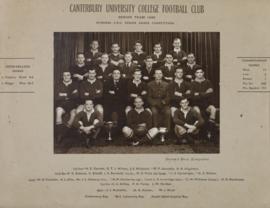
column 135, row 107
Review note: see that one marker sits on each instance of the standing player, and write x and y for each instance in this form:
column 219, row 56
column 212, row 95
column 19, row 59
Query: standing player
column 79, row 70
column 128, row 67
column 178, row 89
column 136, row 88
column 179, row 56
column 66, row 97
column 93, row 55
column 158, row 56
column 92, row 89
column 158, row 99
column 168, row 69
column 139, row 124
column 104, row 70
column 148, row 70
column 202, row 92
column 190, row 67
column 116, row 57
column 138, row 55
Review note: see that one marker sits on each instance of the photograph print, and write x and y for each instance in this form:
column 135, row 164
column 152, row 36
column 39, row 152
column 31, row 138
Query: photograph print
column 136, row 92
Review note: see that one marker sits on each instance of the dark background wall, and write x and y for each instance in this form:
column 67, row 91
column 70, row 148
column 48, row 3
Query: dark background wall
column 205, row 46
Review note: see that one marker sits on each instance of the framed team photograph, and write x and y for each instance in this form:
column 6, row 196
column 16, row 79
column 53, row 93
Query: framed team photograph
column 136, row 92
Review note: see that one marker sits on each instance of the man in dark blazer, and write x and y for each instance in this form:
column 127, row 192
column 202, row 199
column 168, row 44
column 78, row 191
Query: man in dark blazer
column 128, row 67
column 115, row 99
column 148, row 70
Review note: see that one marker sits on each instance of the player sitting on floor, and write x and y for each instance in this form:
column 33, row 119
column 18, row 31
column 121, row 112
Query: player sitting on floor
column 139, row 127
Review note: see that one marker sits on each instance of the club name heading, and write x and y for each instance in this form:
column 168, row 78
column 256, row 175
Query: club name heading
column 141, row 8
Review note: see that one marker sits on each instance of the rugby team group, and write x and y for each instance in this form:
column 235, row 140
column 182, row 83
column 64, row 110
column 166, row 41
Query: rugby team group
column 136, row 95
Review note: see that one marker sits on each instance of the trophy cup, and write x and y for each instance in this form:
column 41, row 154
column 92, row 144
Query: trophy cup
column 163, row 131
column 109, row 125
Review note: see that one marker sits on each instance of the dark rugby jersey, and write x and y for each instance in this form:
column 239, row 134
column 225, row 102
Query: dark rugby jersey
column 179, row 56
column 189, row 71
column 105, row 74
column 140, row 57
column 81, row 117
column 203, row 99
column 93, row 91
column 158, row 60
column 127, row 70
column 81, row 70
column 191, row 118
column 92, row 59
column 168, row 73
column 183, row 88
column 132, row 88
column 134, row 118
column 71, row 90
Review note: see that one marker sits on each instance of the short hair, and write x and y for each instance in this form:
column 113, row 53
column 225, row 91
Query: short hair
column 104, row 54
column 137, row 70
column 148, row 57
column 191, row 53
column 128, row 53
column 94, row 41
column 199, row 68
column 176, row 39
column 138, row 97
column 138, row 41
column 79, row 53
column 158, row 69
column 66, row 71
column 92, row 69
column 115, row 44
column 184, row 98
column 168, row 54
column 116, row 69
column 88, row 99
column 158, row 43
column 179, row 68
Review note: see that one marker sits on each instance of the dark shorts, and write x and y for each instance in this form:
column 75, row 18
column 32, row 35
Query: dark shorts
column 67, row 105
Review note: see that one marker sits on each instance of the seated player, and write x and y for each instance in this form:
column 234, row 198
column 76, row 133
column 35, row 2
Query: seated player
column 79, row 70
column 168, row 69
column 190, row 67
column 158, row 56
column 136, row 88
column 179, row 56
column 88, row 122
column 92, row 89
column 115, row 99
column 138, row 55
column 128, row 67
column 187, row 122
column 139, row 124
column 66, row 102
column 104, row 69
column 148, row 70
column 202, row 92
column 116, row 58
column 93, row 55
column 178, row 89
column 158, row 99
